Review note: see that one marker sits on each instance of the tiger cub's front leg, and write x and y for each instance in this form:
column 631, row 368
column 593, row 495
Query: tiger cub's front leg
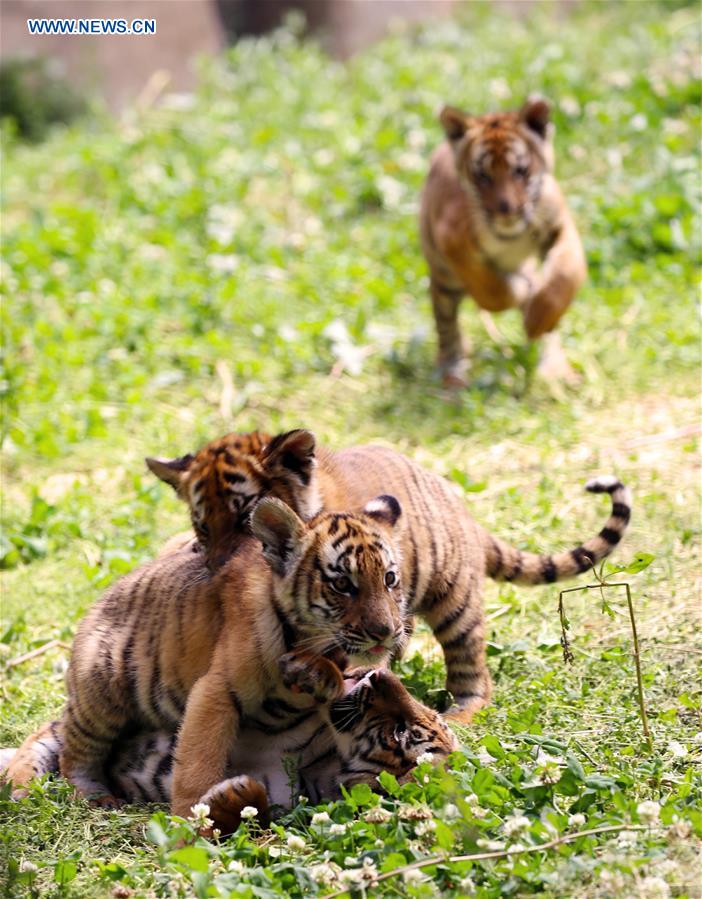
column 304, row 672
column 210, row 728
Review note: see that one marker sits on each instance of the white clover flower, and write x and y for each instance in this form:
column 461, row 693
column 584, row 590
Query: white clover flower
column 327, row 873
column 515, row 823
column 654, row 888
column 491, row 845
column 223, row 262
column 576, row 820
column 627, row 838
column 466, row 885
column 679, row 830
column 549, row 774
column 351, row 876
column 451, row 812
column 668, row 867
column 377, row 815
column 248, row 812
column 27, row 867
column 570, row 106
column 612, row 880
column 295, row 843
column 321, row 818
column 415, row 813
column 677, row 750
column 425, row 757
column 236, row 867
column 199, row 815
column 414, row 875
column 648, row 811
column 424, row 828
column 369, row 872
column 200, row 810
column 337, row 829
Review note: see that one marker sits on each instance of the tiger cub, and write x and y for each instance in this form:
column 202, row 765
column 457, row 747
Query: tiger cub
column 445, row 554
column 157, row 641
column 492, row 211
column 373, row 724
column 224, row 480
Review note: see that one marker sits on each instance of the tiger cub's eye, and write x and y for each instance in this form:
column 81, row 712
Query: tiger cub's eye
column 521, row 171
column 342, row 584
column 390, row 579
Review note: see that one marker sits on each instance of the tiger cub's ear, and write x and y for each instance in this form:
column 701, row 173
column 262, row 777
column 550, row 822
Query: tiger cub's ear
column 454, row 122
column 536, row 115
column 384, row 509
column 279, row 530
column 291, row 453
column 172, row 471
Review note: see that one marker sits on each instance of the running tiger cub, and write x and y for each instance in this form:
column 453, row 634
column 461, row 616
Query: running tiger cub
column 445, row 553
column 373, row 725
column 163, row 636
column 491, row 208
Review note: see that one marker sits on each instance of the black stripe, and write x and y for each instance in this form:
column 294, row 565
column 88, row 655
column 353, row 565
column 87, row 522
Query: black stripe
column 583, row 558
column 517, row 569
column 460, row 638
column 602, row 488
column 611, row 536
column 268, row 728
column 549, row 572
column 496, row 566
column 236, row 702
column 289, row 635
column 621, row 510
column 278, row 708
column 233, row 477
column 449, row 619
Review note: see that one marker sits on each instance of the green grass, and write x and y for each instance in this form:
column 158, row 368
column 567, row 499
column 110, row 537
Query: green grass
column 149, row 261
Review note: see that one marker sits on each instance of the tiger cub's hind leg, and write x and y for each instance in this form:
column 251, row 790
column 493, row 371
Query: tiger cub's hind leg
column 453, row 364
column 86, row 741
column 455, row 614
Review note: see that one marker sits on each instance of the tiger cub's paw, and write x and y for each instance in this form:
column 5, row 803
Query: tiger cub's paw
column 228, row 798
column 307, row 673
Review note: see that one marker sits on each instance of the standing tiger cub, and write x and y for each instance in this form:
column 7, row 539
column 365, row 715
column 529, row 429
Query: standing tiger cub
column 492, row 211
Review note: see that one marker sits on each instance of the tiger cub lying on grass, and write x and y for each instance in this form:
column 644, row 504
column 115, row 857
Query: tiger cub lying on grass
column 373, row 725
column 445, row 554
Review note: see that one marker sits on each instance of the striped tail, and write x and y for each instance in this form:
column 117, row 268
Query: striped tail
column 507, row 563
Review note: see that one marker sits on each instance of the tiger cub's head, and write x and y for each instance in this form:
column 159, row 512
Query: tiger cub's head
column 501, row 159
column 378, row 726
column 337, row 578
column 223, row 481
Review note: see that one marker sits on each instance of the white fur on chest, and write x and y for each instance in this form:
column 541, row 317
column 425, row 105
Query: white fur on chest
column 508, row 255
column 275, row 760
